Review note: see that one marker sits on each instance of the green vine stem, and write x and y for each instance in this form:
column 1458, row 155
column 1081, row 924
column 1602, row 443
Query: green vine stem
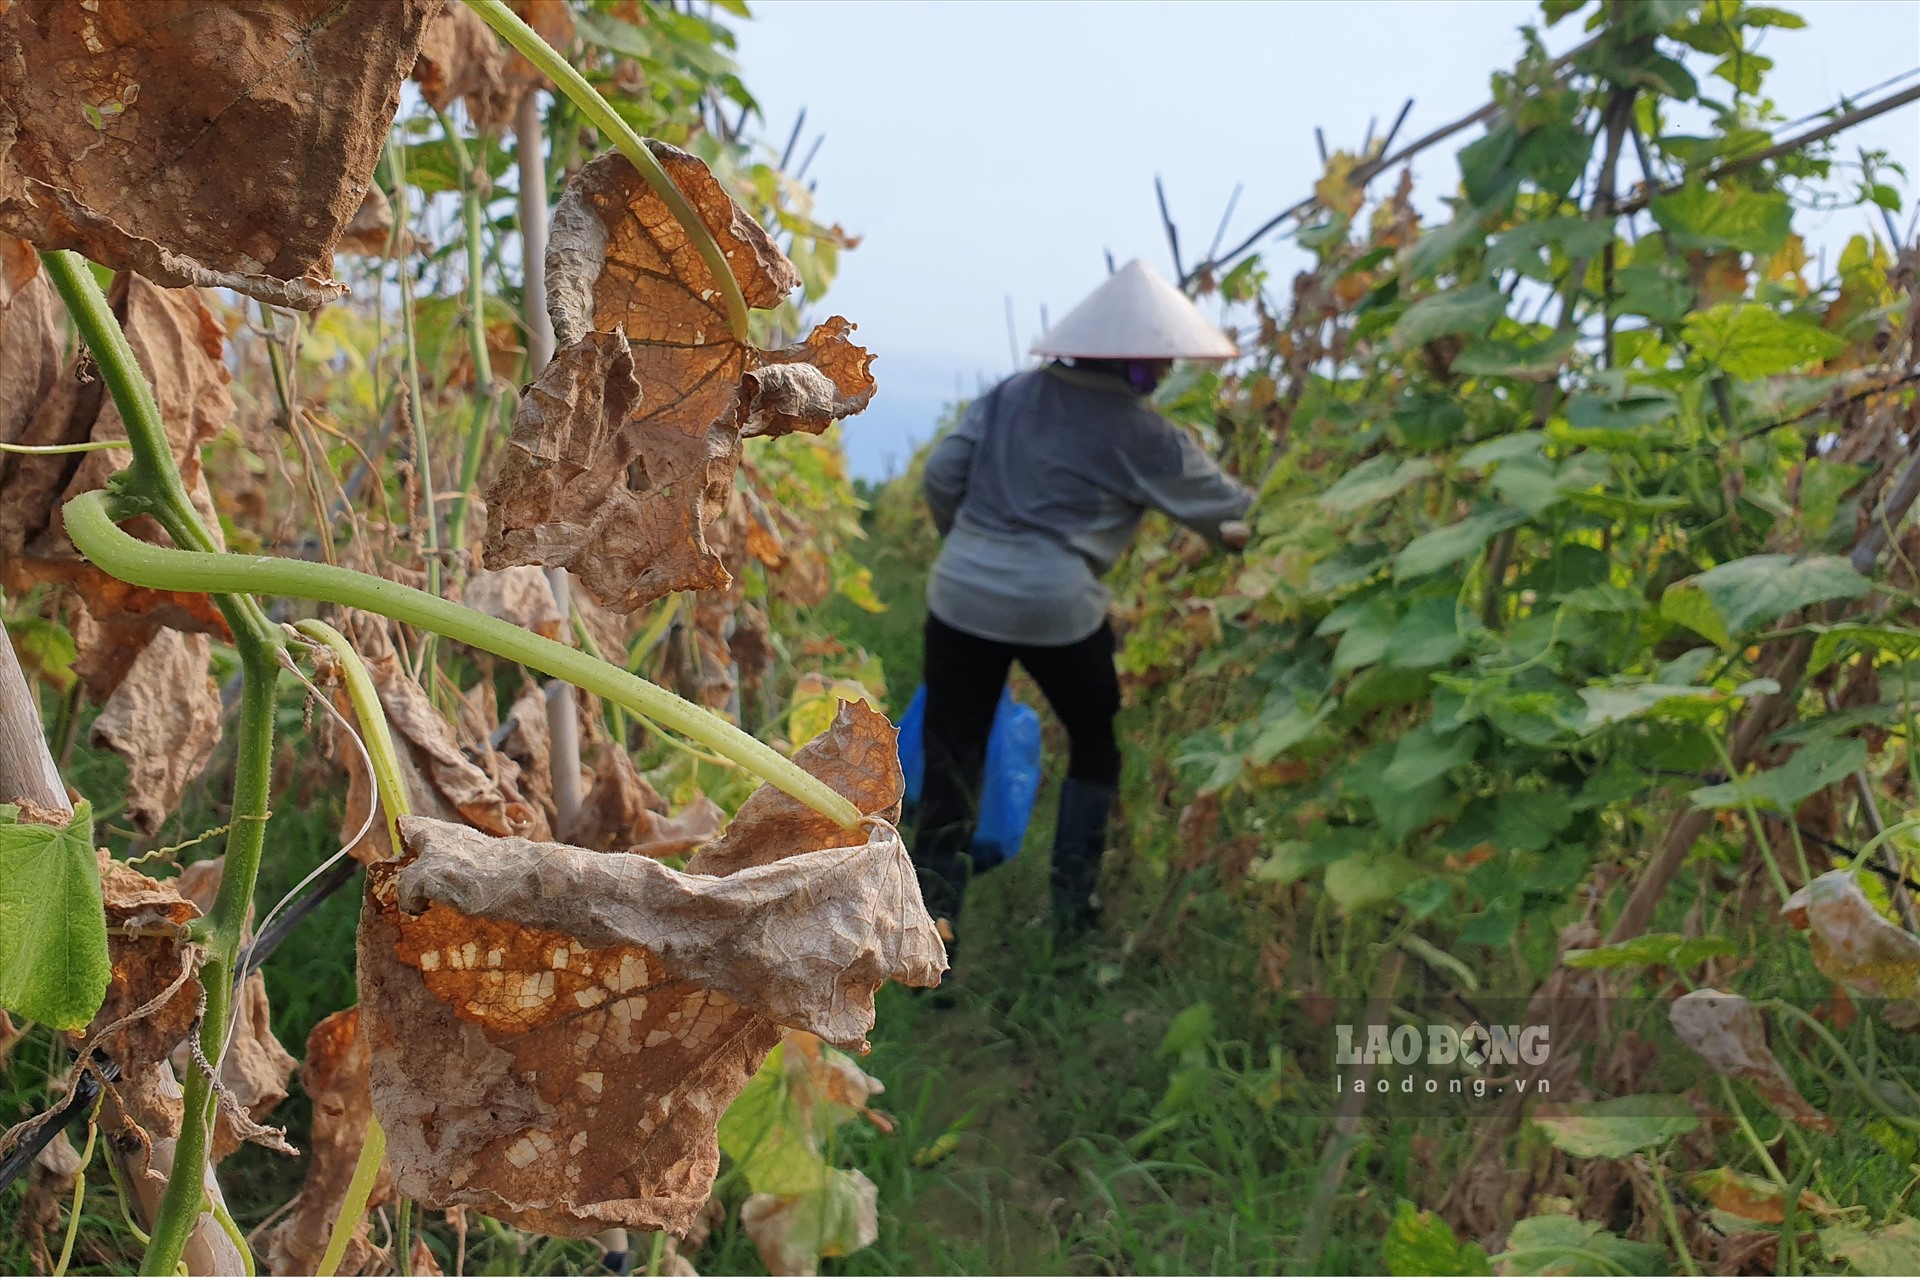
column 154, row 487
column 125, row 557
column 508, row 26
column 375, row 733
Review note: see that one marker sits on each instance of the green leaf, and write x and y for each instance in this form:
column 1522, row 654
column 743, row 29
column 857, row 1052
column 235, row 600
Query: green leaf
column 1285, row 731
column 1639, row 407
column 766, row 1133
column 1354, row 562
column 1756, row 590
column 1823, row 483
column 1437, row 247
column 1727, row 218
column 53, row 922
column 1364, row 636
column 1617, row 1127
column 1438, row 548
column 1668, row 950
column 1559, row 1244
column 1418, row 1243
column 1427, row 636
column 1364, row 879
column 1749, row 340
column 1521, row 444
column 1189, row 1031
column 1743, row 70
column 1493, row 927
column 1523, row 248
column 1813, row 768
column 1610, row 704
column 1654, row 290
column 1425, row 755
column 1470, row 309
column 1835, row 642
column 1373, row 482
column 1526, row 361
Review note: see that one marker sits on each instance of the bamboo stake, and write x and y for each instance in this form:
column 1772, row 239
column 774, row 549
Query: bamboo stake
column 563, row 710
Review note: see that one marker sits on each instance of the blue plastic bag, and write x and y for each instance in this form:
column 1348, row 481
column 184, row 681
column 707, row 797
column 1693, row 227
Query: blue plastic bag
column 1012, row 778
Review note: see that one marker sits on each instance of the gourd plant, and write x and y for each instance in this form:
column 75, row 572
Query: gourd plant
column 646, row 201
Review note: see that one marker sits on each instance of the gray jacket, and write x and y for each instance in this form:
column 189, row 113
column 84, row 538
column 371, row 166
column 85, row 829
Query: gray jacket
column 1039, row 490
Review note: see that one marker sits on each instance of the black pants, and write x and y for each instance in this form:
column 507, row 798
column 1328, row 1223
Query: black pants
column 964, row 677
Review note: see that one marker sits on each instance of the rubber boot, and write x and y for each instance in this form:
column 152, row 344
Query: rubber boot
column 1079, row 840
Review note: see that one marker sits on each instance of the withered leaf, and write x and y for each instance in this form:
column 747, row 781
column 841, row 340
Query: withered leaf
column 605, row 1009
column 614, row 805
column 164, row 719
column 1724, row 1029
column 554, row 21
column 1755, row 1199
column 1852, row 943
column 145, row 965
column 460, row 57
column 370, row 230
column 179, row 346
column 199, row 142
column 440, row 777
column 623, row 454
column 857, row 756
column 335, row 1075
column 526, row 744
column 29, row 334
column 793, row 1232
column 520, row 595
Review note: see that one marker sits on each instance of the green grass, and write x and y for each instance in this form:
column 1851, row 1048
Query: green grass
column 1146, row 1099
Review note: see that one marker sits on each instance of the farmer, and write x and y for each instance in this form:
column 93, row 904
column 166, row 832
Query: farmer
column 1037, row 493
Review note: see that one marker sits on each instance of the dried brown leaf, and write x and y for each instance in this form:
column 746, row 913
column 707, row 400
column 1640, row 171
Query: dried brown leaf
column 50, row 1180
column 660, row 836
column 1725, row 1030
column 335, row 1075
column 553, row 19
column 856, row 756
column 197, row 142
column 616, row 805
column 164, row 719
column 623, row 454
column 594, row 997
column 1754, row 1199
column 178, row 345
column 144, row 965
column 370, row 230
column 460, row 57
column 526, row 744
column 441, row 778
column 520, row 595
column 30, row 336
column 1852, row 943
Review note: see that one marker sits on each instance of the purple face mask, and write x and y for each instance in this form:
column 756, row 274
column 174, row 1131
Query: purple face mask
column 1144, row 375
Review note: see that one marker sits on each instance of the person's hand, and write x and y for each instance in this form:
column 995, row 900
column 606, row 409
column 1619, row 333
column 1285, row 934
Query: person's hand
column 1236, row 533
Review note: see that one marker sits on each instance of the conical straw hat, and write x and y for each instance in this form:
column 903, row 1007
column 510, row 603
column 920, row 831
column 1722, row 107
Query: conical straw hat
column 1136, row 315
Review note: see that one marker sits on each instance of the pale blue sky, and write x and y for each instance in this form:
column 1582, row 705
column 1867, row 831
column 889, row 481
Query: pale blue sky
column 988, row 150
